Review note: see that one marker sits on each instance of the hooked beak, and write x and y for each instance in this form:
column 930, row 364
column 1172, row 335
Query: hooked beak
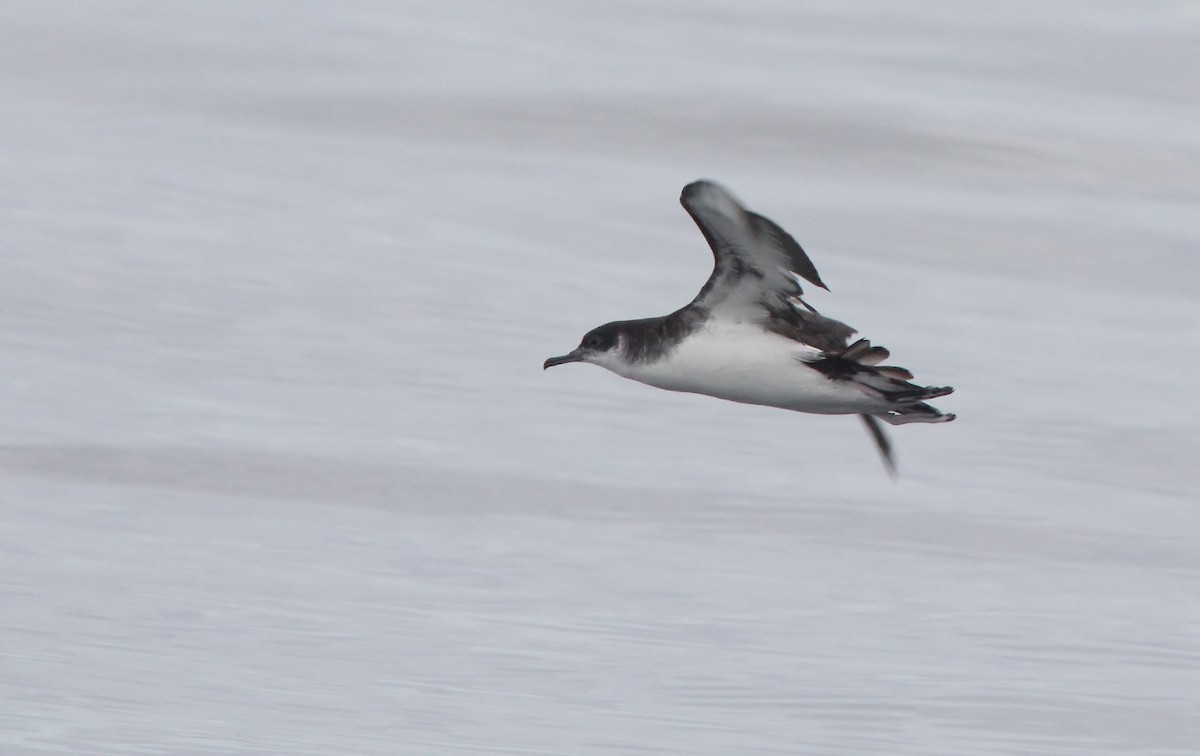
column 575, row 356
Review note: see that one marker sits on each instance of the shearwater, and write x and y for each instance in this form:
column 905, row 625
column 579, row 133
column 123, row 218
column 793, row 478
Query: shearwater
column 749, row 337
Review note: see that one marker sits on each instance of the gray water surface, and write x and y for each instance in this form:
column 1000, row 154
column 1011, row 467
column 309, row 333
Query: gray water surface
column 280, row 471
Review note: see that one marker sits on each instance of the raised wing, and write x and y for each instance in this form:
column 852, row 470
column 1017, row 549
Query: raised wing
column 756, row 268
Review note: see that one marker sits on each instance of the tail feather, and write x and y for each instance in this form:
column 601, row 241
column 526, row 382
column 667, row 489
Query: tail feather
column 863, row 353
column 903, row 402
column 896, row 390
column 858, row 364
column 920, row 412
column 891, row 371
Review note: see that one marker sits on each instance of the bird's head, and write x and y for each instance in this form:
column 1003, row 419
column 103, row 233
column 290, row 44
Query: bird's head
column 600, row 346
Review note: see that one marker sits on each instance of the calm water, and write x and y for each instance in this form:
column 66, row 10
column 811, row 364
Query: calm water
column 280, row 471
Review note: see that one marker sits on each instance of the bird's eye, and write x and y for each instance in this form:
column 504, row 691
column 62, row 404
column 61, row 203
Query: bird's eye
column 592, row 342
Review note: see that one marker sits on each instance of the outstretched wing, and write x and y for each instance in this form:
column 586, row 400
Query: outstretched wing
column 756, row 268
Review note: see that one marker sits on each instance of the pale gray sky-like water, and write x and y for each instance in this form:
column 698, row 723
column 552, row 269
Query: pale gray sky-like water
column 280, row 471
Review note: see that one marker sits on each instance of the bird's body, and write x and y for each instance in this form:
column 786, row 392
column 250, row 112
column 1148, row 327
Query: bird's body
column 743, row 363
column 749, row 337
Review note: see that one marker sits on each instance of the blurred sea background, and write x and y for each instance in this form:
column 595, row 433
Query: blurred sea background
column 280, row 471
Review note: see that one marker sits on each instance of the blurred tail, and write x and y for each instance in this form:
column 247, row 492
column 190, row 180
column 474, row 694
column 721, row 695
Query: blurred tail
column 859, row 364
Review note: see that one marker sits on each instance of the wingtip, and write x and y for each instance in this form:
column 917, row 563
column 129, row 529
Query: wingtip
column 883, row 444
column 690, row 190
column 704, row 191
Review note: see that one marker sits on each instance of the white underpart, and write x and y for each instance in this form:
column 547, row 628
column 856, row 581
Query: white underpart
column 743, row 363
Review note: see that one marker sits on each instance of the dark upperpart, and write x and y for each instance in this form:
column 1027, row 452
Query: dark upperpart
column 651, row 339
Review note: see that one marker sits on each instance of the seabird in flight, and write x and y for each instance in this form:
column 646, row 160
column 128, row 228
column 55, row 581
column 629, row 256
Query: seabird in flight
column 749, row 337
